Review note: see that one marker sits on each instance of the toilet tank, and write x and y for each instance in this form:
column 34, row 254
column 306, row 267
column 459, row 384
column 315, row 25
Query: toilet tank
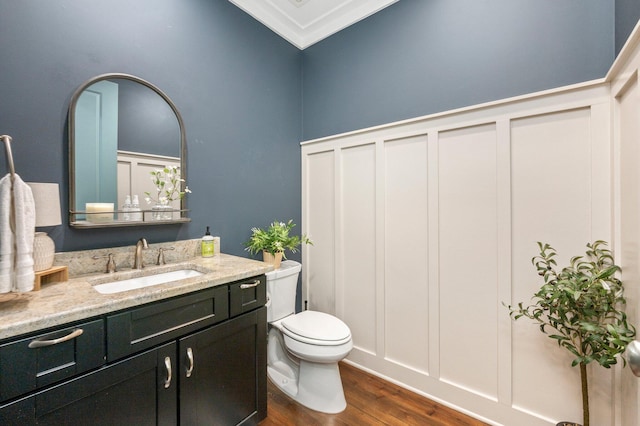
column 281, row 290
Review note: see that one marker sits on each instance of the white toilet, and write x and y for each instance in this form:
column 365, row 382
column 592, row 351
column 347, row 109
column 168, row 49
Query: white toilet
column 304, row 349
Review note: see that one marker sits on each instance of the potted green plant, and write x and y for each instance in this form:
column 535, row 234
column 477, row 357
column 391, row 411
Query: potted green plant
column 581, row 307
column 274, row 240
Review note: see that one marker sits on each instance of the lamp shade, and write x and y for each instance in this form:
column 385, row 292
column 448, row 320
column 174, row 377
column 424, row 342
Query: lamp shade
column 46, row 197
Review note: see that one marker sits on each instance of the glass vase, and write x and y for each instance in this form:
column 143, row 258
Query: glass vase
column 161, row 211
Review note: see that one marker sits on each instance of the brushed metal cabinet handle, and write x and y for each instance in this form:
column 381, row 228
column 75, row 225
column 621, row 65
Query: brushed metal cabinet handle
column 253, row 284
column 633, row 355
column 167, row 364
column 42, row 343
column 190, row 358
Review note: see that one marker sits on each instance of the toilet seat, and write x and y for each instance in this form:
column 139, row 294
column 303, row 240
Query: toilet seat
column 316, row 328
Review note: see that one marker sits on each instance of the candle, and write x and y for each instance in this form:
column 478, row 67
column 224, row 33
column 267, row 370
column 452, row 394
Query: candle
column 100, row 212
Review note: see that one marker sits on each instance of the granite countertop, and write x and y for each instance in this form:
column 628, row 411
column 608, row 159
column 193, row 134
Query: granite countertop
column 59, row 303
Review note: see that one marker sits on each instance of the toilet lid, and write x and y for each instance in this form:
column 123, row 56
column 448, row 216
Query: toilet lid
column 316, row 326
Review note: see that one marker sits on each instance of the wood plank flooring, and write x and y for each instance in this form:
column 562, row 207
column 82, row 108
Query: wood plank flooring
column 370, row 401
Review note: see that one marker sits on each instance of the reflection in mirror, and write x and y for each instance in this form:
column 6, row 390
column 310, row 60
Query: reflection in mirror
column 120, row 129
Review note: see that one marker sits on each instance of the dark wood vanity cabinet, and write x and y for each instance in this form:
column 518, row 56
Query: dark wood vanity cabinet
column 223, row 372
column 180, row 361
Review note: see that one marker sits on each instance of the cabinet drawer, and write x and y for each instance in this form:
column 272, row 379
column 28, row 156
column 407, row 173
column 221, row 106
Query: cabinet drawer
column 247, row 295
column 141, row 328
column 31, row 363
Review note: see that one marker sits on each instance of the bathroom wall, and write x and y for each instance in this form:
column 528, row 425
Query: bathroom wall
column 465, row 186
column 239, row 86
column 418, row 57
column 236, row 83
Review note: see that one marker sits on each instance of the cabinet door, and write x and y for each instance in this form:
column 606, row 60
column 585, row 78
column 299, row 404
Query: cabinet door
column 135, row 391
column 223, row 372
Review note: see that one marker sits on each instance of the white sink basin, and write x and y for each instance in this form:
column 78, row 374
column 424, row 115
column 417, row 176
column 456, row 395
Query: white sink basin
column 145, row 281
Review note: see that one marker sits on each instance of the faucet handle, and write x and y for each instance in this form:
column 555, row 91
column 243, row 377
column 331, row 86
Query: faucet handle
column 111, row 263
column 161, row 251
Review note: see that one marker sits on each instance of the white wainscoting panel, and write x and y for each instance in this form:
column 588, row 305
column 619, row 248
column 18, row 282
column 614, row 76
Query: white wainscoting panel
column 406, row 253
column 433, row 225
column 627, row 102
column 551, row 195
column 467, row 172
column 357, row 261
column 320, row 267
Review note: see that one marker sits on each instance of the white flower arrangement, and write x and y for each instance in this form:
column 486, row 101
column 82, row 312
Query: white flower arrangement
column 168, row 184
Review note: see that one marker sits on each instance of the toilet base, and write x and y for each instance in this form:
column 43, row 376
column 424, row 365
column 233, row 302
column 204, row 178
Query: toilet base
column 319, row 386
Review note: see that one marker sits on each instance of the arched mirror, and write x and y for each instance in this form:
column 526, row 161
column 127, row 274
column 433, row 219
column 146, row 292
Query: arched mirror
column 122, row 130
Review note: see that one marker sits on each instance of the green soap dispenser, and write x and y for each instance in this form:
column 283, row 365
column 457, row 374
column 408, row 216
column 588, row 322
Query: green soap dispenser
column 207, row 244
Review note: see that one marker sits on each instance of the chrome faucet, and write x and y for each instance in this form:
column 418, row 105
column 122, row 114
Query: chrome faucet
column 137, row 260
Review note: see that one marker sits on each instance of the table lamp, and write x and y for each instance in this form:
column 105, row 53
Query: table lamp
column 46, row 197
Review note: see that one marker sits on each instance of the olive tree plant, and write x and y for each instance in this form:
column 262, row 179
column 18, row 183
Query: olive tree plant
column 581, row 307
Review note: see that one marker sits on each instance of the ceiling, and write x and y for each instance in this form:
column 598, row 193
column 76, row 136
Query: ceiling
column 305, row 22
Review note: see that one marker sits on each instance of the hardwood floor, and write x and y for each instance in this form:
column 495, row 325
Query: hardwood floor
column 370, row 401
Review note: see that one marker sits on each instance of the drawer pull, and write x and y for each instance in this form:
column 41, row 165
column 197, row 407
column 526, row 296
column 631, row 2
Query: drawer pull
column 42, row 343
column 167, row 364
column 253, row 284
column 190, row 358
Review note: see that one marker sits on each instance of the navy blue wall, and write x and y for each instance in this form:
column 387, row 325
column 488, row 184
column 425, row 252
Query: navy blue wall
column 160, row 133
column 236, row 83
column 418, row 57
column 240, row 87
column 627, row 15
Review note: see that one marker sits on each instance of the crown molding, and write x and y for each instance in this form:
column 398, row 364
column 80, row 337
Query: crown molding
column 305, row 22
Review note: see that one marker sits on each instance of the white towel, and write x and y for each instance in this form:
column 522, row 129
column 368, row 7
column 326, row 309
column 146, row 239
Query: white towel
column 6, row 236
column 16, row 242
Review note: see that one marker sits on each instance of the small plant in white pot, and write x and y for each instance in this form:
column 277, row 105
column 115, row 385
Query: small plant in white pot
column 274, row 240
column 581, row 307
